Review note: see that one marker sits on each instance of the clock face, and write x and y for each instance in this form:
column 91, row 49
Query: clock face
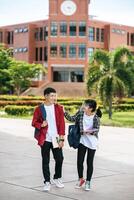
column 68, row 7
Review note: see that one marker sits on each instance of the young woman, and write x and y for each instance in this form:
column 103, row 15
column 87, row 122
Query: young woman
column 89, row 122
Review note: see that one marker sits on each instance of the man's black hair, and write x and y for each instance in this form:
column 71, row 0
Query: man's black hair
column 49, row 90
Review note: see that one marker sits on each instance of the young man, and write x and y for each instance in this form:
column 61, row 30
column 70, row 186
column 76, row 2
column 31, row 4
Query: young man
column 49, row 131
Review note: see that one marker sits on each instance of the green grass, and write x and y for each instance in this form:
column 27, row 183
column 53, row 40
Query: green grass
column 5, row 115
column 120, row 119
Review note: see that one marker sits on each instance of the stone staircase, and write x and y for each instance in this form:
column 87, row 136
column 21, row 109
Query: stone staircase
column 64, row 89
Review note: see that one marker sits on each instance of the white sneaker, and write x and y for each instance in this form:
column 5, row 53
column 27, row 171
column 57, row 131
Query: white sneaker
column 47, row 186
column 58, row 183
column 87, row 186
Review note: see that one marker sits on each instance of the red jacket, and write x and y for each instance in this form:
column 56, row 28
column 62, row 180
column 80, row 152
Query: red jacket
column 38, row 120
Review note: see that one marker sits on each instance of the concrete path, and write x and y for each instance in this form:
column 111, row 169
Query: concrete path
column 20, row 166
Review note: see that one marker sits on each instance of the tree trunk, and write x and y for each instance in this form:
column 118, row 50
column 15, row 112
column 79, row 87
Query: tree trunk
column 18, row 91
column 110, row 108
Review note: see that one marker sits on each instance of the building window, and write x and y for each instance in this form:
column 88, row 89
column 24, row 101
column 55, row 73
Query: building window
column 36, row 54
column 72, row 51
column 37, row 34
column 97, row 34
column 25, row 49
column 77, row 76
column 45, row 54
column 90, row 52
column 132, row 39
column 68, row 75
column 82, row 29
column 128, row 38
column 40, row 53
column 91, row 33
column 16, row 30
column 53, row 50
column 63, row 50
column 25, row 30
column 16, row 50
column 41, row 33
column 82, row 50
column 20, row 30
column 1, row 37
column 118, row 31
column 61, row 76
column 20, row 50
column 10, row 37
column 54, row 28
column 102, row 35
column 72, row 29
column 63, row 28
column 45, row 33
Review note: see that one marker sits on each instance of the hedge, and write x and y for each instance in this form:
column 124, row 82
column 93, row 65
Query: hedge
column 19, row 110
column 25, row 105
column 40, row 98
column 123, row 107
column 28, row 110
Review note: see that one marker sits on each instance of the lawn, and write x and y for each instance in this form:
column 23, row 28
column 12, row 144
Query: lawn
column 121, row 119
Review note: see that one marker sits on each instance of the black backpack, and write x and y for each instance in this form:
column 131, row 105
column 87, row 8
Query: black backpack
column 74, row 135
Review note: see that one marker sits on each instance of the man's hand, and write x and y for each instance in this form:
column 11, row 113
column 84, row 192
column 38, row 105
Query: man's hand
column 44, row 124
column 61, row 141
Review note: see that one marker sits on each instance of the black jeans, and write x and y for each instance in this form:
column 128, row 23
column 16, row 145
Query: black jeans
column 58, row 157
column 80, row 160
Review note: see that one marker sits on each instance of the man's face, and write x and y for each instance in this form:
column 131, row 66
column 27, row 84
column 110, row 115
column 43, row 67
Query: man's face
column 51, row 98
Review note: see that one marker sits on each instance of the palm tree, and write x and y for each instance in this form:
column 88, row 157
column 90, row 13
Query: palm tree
column 111, row 75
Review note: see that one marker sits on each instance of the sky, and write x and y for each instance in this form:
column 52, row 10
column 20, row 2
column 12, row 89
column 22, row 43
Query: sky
column 15, row 11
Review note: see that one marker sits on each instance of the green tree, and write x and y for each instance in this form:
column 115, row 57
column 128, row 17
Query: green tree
column 5, row 61
column 22, row 73
column 111, row 74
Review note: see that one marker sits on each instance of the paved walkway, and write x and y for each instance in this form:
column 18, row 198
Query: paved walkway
column 20, row 166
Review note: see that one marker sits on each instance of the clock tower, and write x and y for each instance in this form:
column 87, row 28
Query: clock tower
column 67, row 40
column 68, row 8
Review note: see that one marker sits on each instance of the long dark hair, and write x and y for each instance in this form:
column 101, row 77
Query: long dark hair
column 93, row 104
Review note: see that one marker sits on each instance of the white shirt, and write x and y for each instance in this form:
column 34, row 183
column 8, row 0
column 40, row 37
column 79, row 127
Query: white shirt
column 50, row 118
column 88, row 140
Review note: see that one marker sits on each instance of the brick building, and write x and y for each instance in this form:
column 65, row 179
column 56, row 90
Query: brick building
column 64, row 43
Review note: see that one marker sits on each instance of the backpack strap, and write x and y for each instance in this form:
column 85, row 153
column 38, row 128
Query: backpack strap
column 43, row 111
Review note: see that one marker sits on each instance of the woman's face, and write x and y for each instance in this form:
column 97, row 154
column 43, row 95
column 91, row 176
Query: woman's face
column 87, row 110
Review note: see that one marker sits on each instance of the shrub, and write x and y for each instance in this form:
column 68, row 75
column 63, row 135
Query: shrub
column 19, row 110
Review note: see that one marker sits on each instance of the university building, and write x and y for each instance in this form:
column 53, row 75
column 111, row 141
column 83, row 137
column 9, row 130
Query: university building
column 64, row 44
